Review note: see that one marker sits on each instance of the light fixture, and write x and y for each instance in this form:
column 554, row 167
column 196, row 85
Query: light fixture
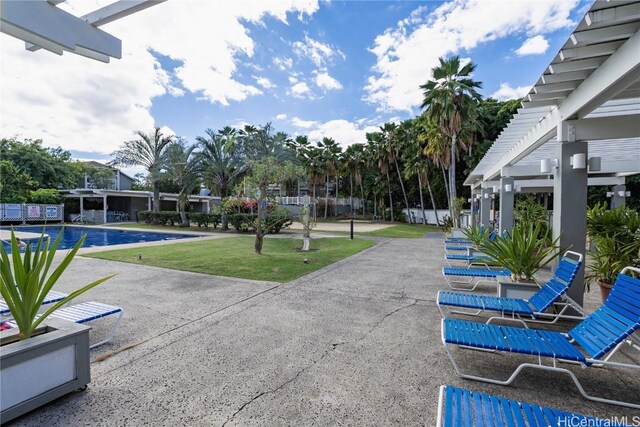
column 623, row 193
column 493, row 196
column 486, row 195
column 595, row 164
column 609, row 193
column 508, row 188
column 478, row 196
column 469, row 199
column 518, row 188
column 496, row 189
column 578, row 161
column 547, row 164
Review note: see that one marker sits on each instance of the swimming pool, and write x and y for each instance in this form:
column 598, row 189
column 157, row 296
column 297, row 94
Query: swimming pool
column 97, row 236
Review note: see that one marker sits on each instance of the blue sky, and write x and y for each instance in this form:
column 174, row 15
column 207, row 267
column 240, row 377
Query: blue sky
column 338, row 68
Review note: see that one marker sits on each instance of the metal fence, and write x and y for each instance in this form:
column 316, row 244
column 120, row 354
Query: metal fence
column 30, row 212
column 309, row 200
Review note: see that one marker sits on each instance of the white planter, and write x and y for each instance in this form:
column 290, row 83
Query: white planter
column 517, row 290
column 38, row 370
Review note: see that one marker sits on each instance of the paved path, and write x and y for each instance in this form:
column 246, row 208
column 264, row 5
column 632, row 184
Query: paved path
column 356, row 343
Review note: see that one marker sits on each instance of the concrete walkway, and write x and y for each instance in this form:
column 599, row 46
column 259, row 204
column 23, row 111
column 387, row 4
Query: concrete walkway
column 356, row 343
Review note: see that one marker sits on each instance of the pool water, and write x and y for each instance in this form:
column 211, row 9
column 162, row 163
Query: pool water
column 96, row 236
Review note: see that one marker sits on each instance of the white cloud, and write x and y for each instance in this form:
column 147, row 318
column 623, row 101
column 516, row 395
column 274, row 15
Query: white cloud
column 264, row 82
column 283, row 63
column 407, row 53
column 304, row 124
column 300, row 89
column 507, row 92
column 317, row 52
column 86, row 105
column 281, row 116
column 536, row 45
column 325, row 81
column 342, row 131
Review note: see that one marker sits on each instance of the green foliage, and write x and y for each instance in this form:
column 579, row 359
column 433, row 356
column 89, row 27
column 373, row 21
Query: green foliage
column 14, row 184
column 26, row 281
column 522, row 252
column 159, row 218
column 46, row 167
column 204, row 219
column 102, row 178
column 528, row 212
column 615, row 233
column 45, row 196
column 275, row 220
column 478, row 235
column 457, row 205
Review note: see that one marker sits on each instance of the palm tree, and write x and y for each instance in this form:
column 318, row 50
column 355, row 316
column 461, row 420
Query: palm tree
column 390, row 134
column 330, row 152
column 221, row 168
column 378, row 157
column 358, row 160
column 183, row 168
column 150, row 152
column 311, row 159
column 450, row 99
column 436, row 149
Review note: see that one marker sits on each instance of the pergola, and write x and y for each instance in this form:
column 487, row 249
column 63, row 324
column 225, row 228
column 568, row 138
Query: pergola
column 42, row 25
column 579, row 125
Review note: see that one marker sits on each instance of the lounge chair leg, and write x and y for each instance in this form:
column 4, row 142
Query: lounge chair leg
column 508, row 319
column 519, row 369
column 111, row 334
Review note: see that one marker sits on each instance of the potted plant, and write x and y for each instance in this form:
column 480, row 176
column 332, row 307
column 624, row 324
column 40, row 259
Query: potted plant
column 615, row 238
column 524, row 251
column 53, row 355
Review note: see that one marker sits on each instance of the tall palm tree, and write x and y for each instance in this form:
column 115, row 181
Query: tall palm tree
column 391, row 134
column 330, row 152
column 358, row 162
column 148, row 151
column 183, row 169
column 451, row 99
column 221, row 168
column 436, row 148
column 379, row 157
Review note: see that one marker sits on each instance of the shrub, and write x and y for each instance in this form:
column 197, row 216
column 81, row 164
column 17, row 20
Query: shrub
column 159, row 218
column 277, row 219
column 47, row 196
column 204, row 219
column 241, row 221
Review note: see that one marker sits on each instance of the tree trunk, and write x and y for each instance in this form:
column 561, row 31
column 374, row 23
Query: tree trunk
column 375, row 206
column 326, row 197
column 315, row 206
column 390, row 199
column 424, row 221
column 404, row 193
column 259, row 235
column 446, row 187
column 452, row 179
column 335, row 206
column 364, row 204
column 156, row 196
column 351, row 194
column 433, row 202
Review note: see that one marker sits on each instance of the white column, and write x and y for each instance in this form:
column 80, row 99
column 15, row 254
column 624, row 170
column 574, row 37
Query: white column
column 570, row 201
column 104, row 209
column 148, row 203
column 485, row 207
column 82, row 208
column 506, row 203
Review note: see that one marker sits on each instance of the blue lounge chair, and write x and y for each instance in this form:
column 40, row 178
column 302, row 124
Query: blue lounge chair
column 51, row 298
column 521, row 310
column 85, row 312
column 600, row 334
column 466, row 258
column 474, row 276
column 458, row 407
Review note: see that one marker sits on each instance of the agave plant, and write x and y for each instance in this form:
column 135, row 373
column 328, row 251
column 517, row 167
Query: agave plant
column 523, row 252
column 26, row 281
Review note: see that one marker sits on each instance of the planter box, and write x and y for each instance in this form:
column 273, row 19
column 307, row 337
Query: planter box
column 38, row 370
column 517, row 290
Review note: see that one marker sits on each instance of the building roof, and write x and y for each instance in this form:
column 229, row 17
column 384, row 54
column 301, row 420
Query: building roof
column 594, row 78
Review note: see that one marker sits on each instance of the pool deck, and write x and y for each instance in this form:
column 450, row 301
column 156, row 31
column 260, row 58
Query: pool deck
column 5, row 235
column 356, row 343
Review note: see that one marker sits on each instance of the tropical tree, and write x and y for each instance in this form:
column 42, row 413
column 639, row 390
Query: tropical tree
column 222, row 168
column 150, row 152
column 390, row 134
column 183, row 168
column 378, row 156
column 450, row 99
column 330, row 155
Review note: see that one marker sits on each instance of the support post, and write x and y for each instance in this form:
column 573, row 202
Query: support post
column 506, row 203
column 104, row 209
column 485, row 207
column 570, row 202
column 81, row 208
column 148, row 203
column 617, row 199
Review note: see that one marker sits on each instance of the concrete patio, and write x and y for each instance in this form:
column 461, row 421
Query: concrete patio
column 356, row 343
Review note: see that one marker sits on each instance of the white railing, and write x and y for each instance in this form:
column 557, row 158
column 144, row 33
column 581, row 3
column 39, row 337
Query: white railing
column 26, row 212
column 286, row 200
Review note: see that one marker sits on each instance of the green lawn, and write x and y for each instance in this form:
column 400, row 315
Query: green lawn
column 412, row 231
column 235, row 257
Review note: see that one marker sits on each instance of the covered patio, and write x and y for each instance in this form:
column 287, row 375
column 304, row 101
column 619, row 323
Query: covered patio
column 578, row 127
